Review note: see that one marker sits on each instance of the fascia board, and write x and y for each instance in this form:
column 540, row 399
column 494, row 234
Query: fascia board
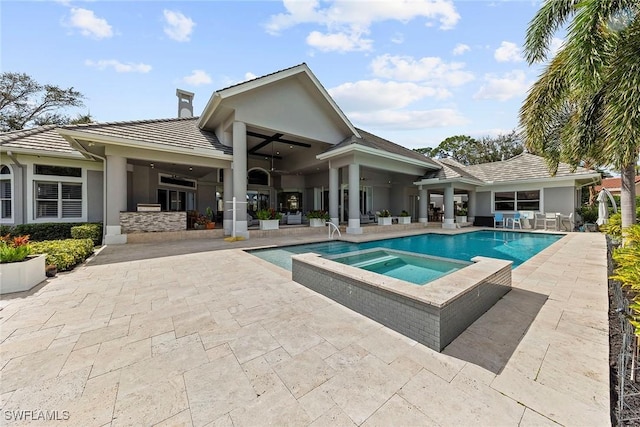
column 33, row 152
column 359, row 148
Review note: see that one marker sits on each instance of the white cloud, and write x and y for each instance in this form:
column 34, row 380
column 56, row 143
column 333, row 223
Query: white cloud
column 197, row 77
column 177, row 26
column 118, row 66
column 504, row 87
column 460, row 49
column 398, row 38
column 350, row 20
column 89, row 24
column 508, row 52
column 340, row 42
column 416, row 119
column 249, row 76
column 428, row 69
column 371, row 95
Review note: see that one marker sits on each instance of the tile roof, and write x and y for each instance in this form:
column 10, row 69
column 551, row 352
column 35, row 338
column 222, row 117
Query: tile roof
column 449, row 169
column 373, row 141
column 614, row 183
column 181, row 132
column 521, row 167
column 260, row 77
column 44, row 138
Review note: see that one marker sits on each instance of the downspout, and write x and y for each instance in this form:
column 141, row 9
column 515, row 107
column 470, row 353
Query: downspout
column 104, row 184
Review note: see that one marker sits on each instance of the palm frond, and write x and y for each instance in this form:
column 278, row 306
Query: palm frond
column 550, row 18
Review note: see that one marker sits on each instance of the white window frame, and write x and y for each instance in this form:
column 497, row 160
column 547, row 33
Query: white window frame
column 12, row 183
column 32, row 178
column 183, row 187
column 60, row 201
column 515, row 200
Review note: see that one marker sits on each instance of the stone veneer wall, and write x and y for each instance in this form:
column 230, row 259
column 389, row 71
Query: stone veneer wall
column 136, row 222
column 428, row 324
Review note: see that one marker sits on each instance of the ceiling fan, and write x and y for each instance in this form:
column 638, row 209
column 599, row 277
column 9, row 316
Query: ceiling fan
column 273, row 170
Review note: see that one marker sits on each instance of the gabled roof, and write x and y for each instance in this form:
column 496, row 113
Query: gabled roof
column 301, row 69
column 180, row 133
column 522, row 167
column 370, row 140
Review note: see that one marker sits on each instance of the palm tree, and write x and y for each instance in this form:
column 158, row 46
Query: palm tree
column 585, row 105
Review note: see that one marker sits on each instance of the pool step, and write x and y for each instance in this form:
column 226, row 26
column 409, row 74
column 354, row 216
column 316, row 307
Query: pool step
column 374, row 261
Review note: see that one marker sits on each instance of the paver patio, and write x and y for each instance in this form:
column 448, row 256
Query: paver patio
column 220, row 337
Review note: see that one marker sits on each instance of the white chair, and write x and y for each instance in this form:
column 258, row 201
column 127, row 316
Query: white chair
column 551, row 218
column 538, row 220
column 517, row 219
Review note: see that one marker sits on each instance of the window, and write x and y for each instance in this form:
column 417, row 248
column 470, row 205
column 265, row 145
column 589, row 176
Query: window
column 6, row 193
column 176, row 181
column 58, row 170
column 58, row 199
column 257, row 177
column 517, row 200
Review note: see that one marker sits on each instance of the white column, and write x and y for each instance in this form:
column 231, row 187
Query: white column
column 334, row 196
column 471, row 206
column 240, row 176
column 449, row 221
column 116, row 199
column 227, row 222
column 423, row 213
column 354, row 200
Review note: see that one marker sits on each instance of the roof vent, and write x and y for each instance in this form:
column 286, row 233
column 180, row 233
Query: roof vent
column 185, row 103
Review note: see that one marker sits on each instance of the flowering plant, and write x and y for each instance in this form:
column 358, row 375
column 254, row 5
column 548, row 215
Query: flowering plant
column 385, row 213
column 318, row 214
column 14, row 249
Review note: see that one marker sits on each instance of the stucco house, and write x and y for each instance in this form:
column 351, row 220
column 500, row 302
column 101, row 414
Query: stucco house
column 277, row 141
column 614, row 185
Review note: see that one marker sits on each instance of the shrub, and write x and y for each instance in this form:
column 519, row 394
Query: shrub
column 45, row 231
column 265, row 214
column 318, row 215
column 613, row 227
column 64, row 254
column 14, row 249
column 405, row 213
column 87, row 231
column 627, row 259
column 385, row 213
column 589, row 213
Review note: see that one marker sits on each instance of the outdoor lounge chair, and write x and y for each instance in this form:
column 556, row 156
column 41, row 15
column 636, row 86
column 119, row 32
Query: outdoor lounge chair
column 517, row 219
column 498, row 218
column 294, row 218
column 365, row 219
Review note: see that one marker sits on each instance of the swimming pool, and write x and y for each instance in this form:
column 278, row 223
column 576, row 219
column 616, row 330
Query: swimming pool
column 512, row 246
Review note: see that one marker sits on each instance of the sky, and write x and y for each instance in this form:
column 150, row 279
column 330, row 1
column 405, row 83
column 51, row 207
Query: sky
column 411, row 71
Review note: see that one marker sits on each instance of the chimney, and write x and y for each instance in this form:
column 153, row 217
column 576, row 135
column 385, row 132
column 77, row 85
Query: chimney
column 185, row 103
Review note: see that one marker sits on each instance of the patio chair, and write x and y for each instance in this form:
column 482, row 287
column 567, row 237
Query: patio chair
column 538, row 220
column 498, row 218
column 294, row 218
column 517, row 219
column 551, row 218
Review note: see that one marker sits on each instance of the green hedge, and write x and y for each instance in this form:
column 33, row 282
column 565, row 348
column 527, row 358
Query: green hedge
column 88, row 231
column 64, row 254
column 48, row 230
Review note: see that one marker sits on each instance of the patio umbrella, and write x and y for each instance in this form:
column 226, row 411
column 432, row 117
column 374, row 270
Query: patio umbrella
column 603, row 208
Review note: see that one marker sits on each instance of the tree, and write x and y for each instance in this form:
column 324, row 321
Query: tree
column 26, row 103
column 470, row 151
column 585, row 107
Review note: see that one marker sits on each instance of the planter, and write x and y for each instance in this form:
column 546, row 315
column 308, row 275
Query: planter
column 22, row 276
column 269, row 224
column 404, row 220
column 461, row 219
column 384, row 220
column 211, row 225
column 316, row 222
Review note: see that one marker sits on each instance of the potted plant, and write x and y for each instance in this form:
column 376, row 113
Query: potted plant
column 384, row 217
column 317, row 218
column 404, row 218
column 269, row 219
column 461, row 215
column 19, row 269
column 210, row 224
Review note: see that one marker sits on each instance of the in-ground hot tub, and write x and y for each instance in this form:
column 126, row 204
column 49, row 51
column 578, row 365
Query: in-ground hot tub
column 433, row 314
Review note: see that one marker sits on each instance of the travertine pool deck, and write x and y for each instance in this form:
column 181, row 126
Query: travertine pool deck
column 142, row 336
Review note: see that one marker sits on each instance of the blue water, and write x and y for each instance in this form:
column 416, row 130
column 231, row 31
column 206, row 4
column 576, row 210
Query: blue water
column 417, row 269
column 513, row 246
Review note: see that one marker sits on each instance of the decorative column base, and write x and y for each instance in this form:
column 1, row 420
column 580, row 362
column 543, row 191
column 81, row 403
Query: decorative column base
column 227, row 225
column 449, row 223
column 354, row 226
column 423, row 220
column 114, row 236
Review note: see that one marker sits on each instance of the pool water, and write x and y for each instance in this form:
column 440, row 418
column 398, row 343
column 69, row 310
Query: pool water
column 413, row 268
column 513, row 246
